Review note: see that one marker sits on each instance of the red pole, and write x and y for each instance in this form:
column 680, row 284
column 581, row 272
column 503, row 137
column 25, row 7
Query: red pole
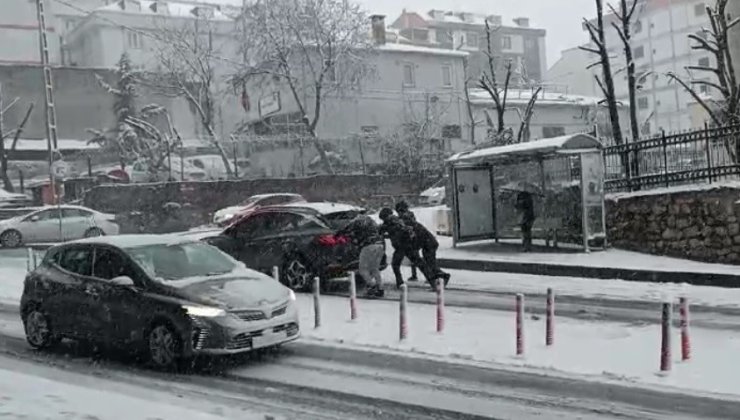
column 440, row 305
column 403, row 321
column 519, row 324
column 684, row 323
column 352, row 296
column 550, row 321
column 316, row 305
column 665, row 348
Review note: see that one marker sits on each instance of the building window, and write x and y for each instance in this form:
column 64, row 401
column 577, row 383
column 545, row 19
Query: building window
column 451, row 132
column 639, row 52
column 704, row 89
column 134, row 40
column 553, row 131
column 704, row 62
column 370, row 130
column 471, row 38
column 506, row 42
column 409, row 75
column 700, row 9
column 446, row 75
column 638, row 27
column 643, row 103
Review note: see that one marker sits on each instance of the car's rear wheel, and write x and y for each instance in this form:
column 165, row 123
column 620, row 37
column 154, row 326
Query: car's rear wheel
column 38, row 328
column 165, row 347
column 94, row 232
column 296, row 274
column 11, row 239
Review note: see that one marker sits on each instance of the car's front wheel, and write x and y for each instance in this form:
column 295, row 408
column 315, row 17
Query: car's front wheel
column 38, row 328
column 11, row 239
column 165, row 347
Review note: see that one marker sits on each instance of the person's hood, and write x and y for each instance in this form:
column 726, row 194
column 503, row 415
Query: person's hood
column 240, row 289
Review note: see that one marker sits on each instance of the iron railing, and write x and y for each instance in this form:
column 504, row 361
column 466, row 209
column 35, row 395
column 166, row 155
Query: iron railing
column 704, row 155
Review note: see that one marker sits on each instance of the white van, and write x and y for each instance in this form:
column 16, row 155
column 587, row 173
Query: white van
column 212, row 165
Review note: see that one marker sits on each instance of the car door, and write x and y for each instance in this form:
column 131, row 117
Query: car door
column 75, row 222
column 42, row 226
column 82, row 301
column 123, row 309
column 248, row 234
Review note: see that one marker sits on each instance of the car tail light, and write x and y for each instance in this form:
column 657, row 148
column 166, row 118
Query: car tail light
column 332, row 240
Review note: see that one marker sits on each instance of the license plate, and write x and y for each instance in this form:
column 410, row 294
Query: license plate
column 269, row 340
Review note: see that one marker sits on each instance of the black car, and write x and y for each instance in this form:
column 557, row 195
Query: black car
column 170, row 297
column 297, row 238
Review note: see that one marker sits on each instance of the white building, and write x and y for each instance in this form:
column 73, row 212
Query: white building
column 660, row 45
column 19, row 33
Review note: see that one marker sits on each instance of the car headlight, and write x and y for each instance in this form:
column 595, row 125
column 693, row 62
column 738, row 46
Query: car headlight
column 204, row 311
column 291, row 294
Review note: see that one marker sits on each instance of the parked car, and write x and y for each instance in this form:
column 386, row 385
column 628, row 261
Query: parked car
column 226, row 215
column 13, row 200
column 43, row 225
column 213, row 165
column 435, row 195
column 299, row 238
column 166, row 296
column 181, row 171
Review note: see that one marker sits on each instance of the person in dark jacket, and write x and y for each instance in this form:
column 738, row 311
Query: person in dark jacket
column 402, row 239
column 525, row 205
column 424, row 241
column 365, row 234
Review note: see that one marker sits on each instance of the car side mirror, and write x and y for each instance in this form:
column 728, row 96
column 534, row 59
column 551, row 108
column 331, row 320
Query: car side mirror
column 34, row 218
column 123, row 281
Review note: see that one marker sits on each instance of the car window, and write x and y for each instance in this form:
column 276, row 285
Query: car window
column 110, row 264
column 340, row 219
column 251, row 227
column 69, row 213
column 51, row 214
column 303, row 222
column 198, row 164
column 180, row 261
column 78, row 260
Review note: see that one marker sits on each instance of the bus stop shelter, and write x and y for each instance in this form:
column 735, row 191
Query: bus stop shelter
column 565, row 175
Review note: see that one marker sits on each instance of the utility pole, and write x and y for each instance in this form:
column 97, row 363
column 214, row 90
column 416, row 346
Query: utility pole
column 51, row 114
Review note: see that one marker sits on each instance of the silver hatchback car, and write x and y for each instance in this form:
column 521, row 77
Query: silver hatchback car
column 56, row 224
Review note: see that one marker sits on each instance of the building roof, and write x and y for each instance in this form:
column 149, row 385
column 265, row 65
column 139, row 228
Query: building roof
column 570, row 143
column 408, row 48
column 161, row 8
column 515, row 96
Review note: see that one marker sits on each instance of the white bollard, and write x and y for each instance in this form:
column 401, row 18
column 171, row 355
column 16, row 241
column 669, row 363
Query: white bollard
column 276, row 274
column 352, row 296
column 35, row 260
column 403, row 326
column 316, row 303
column 29, row 260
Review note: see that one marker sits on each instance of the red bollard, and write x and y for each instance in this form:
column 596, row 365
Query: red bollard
column 316, row 304
column 684, row 323
column 550, row 321
column 352, row 296
column 403, row 326
column 519, row 324
column 440, row 305
column 665, row 344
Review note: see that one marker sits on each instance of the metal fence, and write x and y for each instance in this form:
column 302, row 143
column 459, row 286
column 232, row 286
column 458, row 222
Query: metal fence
column 701, row 156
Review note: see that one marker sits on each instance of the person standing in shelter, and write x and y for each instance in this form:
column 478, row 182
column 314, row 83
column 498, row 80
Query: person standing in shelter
column 365, row 234
column 424, row 241
column 402, row 239
column 525, row 206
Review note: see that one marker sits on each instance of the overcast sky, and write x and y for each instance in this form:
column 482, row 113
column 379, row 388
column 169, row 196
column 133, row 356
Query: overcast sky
column 561, row 18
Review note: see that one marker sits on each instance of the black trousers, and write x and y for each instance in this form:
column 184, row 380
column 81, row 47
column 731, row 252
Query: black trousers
column 429, row 255
column 526, row 227
column 416, row 261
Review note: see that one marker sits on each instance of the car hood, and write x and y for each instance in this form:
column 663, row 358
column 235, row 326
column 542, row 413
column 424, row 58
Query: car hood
column 12, row 220
column 238, row 290
column 432, row 192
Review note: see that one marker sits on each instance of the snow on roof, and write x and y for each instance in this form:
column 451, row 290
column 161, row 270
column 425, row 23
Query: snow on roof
column 481, row 97
column 325, row 207
column 134, row 241
column 407, row 48
column 537, row 147
column 5, row 195
column 174, row 9
column 675, row 190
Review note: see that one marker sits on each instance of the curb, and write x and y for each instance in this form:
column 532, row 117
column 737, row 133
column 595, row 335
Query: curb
column 602, row 273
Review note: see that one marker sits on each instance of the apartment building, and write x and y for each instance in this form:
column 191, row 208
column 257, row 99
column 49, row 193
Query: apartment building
column 517, row 42
column 19, row 33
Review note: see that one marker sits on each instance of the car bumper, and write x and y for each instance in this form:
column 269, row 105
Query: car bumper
column 231, row 335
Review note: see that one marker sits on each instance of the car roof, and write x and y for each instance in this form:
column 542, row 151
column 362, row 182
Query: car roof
column 64, row 206
column 323, row 207
column 261, row 196
column 135, row 240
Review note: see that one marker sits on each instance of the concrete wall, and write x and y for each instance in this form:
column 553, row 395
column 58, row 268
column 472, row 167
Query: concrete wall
column 698, row 225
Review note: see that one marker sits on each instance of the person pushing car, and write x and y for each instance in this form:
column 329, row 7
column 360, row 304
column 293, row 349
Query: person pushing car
column 365, row 233
column 424, row 241
column 402, row 239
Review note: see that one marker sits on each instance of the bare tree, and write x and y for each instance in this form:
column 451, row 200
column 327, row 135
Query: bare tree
column 312, row 48
column 597, row 33
column 524, row 133
column 4, row 158
column 625, row 15
column 188, row 59
column 715, row 41
column 490, row 83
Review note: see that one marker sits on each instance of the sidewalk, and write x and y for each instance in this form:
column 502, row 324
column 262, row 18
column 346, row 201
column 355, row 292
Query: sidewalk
column 597, row 351
column 609, row 264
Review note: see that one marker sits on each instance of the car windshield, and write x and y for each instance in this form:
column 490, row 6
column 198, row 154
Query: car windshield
column 181, row 261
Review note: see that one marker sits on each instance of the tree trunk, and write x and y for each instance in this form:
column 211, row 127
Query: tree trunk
column 3, row 155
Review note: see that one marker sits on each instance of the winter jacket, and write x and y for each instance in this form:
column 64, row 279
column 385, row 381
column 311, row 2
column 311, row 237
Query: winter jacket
column 401, row 236
column 525, row 204
column 423, row 238
column 363, row 231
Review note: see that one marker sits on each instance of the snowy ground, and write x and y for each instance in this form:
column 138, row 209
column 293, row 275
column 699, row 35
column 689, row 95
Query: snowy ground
column 596, row 350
